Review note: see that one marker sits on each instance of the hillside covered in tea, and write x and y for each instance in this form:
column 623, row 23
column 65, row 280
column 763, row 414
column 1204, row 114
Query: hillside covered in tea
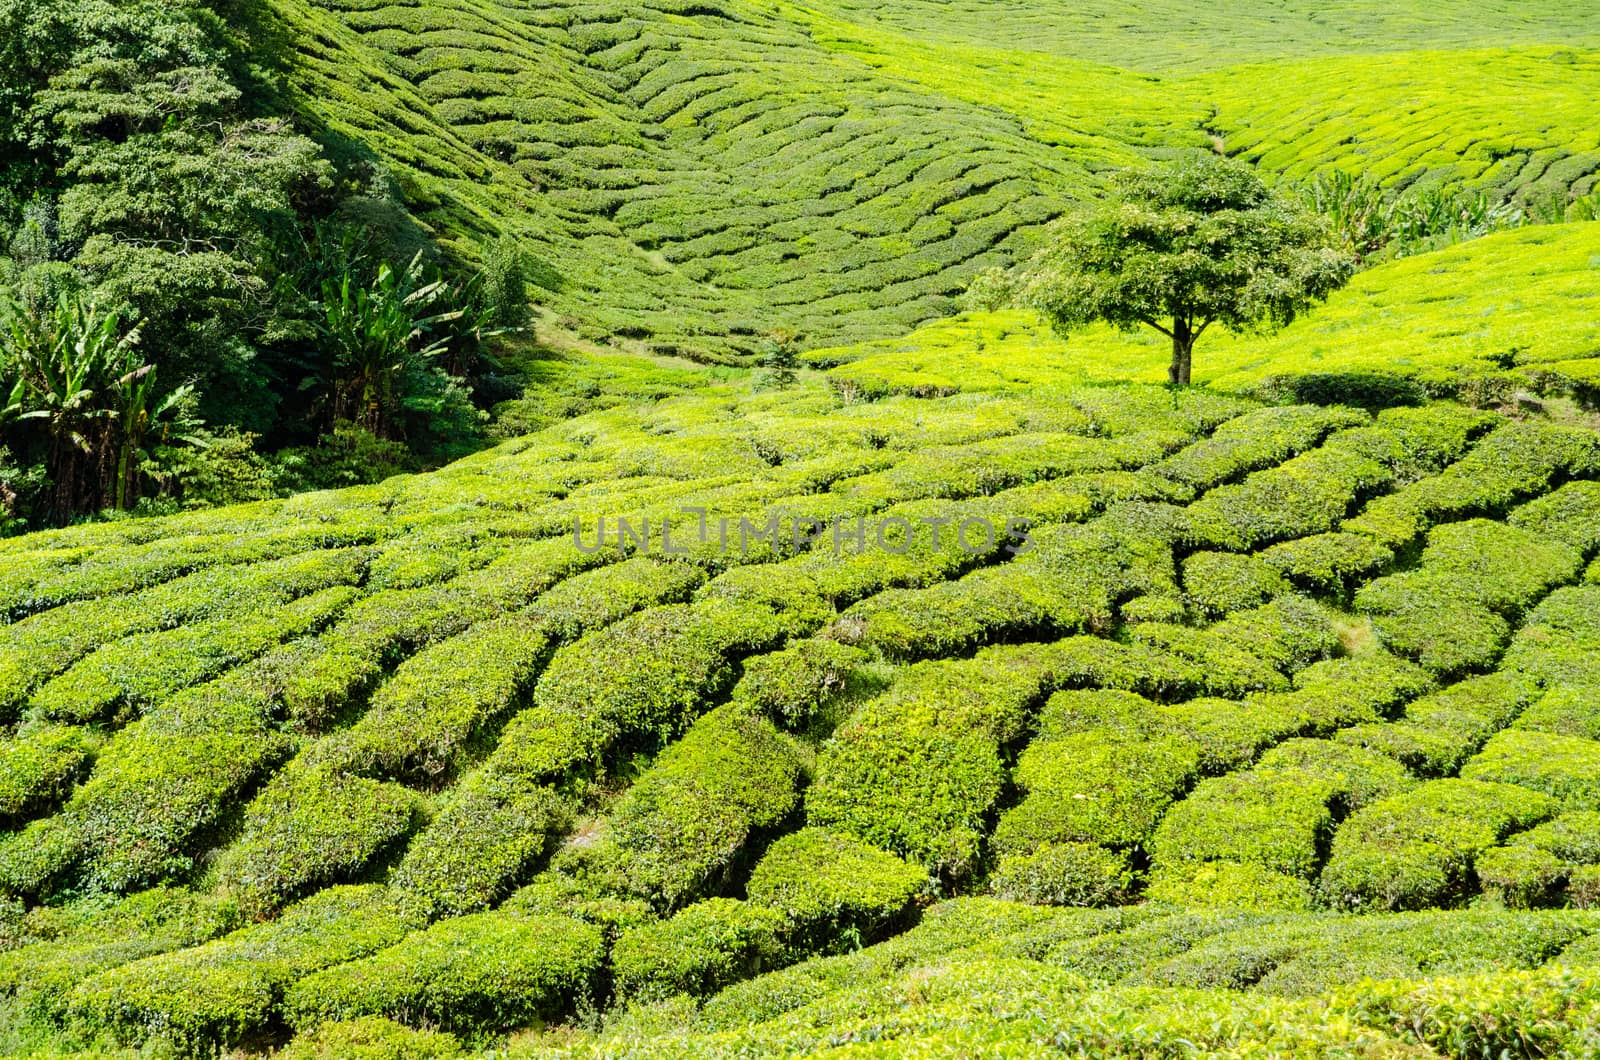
column 817, row 668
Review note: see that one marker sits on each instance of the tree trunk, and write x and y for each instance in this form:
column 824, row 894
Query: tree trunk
column 1182, row 352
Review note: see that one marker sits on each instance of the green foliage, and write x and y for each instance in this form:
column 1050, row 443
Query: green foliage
column 1228, row 885
column 805, row 680
column 1219, row 583
column 1417, row 849
column 61, row 946
column 1565, row 767
column 1179, row 249
column 485, row 835
column 371, row 1038
column 309, row 828
column 213, row 996
column 702, row 949
column 835, row 893
column 1070, row 874
column 682, row 826
column 1327, row 563
column 37, row 771
column 1094, row 787
column 483, row 973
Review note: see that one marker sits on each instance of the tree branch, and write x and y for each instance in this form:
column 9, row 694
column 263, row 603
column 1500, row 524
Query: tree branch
column 1151, row 323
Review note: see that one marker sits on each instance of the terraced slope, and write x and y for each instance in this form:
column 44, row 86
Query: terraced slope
column 414, row 751
column 693, row 177
column 1168, row 36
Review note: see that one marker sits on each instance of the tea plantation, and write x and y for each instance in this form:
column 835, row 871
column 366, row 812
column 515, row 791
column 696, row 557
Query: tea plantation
column 1275, row 698
column 693, row 176
column 969, row 694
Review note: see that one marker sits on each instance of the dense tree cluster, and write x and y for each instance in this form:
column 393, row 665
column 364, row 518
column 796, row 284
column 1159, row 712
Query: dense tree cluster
column 189, row 280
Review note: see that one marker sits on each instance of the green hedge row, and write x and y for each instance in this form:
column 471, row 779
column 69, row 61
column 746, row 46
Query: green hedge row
column 1564, row 767
column 1094, row 787
column 41, row 646
column 808, row 683
column 1417, row 849
column 680, row 827
column 1451, row 613
column 1559, row 639
column 489, row 829
column 1310, row 494
column 1012, row 601
column 431, row 716
column 918, row 770
column 1515, row 462
column 1255, row 440
column 1219, row 583
column 1281, row 813
column 38, row 770
column 1555, row 862
column 485, row 973
column 57, row 947
column 1565, row 710
column 834, row 893
column 1327, row 563
column 311, row 827
column 1441, row 730
column 133, row 673
column 702, row 949
column 213, row 996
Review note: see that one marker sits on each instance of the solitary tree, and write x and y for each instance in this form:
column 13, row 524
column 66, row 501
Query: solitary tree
column 1180, row 248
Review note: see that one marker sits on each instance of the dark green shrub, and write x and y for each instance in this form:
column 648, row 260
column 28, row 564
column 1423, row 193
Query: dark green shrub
column 38, row 770
column 1367, row 390
column 835, row 893
column 1069, row 874
column 491, row 827
column 1327, row 563
column 312, row 827
column 800, row 682
column 61, row 946
column 1570, row 514
column 1219, row 583
column 702, row 949
column 1094, row 787
column 1277, row 820
column 371, row 1038
column 474, row 974
column 1566, row 710
column 918, row 770
column 1228, row 885
column 213, row 996
column 1566, row 767
column 1417, row 849
column 680, row 826
column 1439, row 731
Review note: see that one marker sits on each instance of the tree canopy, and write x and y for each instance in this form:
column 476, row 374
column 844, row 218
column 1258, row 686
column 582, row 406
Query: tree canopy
column 1179, row 248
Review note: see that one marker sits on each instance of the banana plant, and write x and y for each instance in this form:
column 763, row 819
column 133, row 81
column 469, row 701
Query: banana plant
column 374, row 334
